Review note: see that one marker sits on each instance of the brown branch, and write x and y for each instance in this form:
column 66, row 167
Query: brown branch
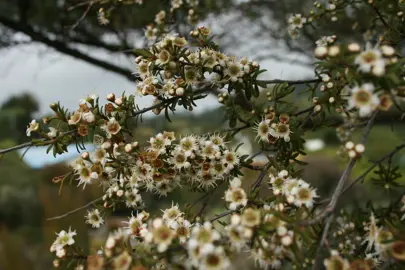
column 323, row 240
column 290, row 82
column 76, row 209
column 41, row 143
column 83, row 16
column 224, row 214
column 261, row 177
column 328, row 211
column 65, row 49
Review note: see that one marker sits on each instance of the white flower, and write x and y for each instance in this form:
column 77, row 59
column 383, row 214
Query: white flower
column 75, row 118
column 112, row 127
column 263, row 130
column 122, row 262
column 88, row 117
column 234, row 70
column 85, row 175
column 214, row 259
column 281, row 130
column 304, row 196
column 179, row 160
column 53, row 132
column 188, row 145
column 230, row 159
column 162, row 234
column 182, row 228
column 212, row 77
column 372, row 234
column 369, row 59
column 33, row 126
column 336, row 260
column 297, row 21
column 102, row 19
column 250, row 217
column 159, row 143
column 170, row 215
column 203, row 234
column 64, row 239
column 235, row 195
column 364, row 99
column 132, row 198
column 94, row 219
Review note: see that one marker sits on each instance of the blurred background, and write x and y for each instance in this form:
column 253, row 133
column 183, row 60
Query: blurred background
column 47, row 56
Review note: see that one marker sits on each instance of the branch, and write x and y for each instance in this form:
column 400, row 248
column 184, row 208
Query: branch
column 224, row 214
column 17, row 147
column 42, row 142
column 76, row 210
column 290, row 82
column 338, row 190
column 261, row 177
column 320, row 245
column 65, row 49
column 376, row 163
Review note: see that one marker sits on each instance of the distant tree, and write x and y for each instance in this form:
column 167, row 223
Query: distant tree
column 14, row 114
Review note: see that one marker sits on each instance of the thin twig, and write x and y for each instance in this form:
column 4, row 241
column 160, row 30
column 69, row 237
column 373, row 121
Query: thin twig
column 76, row 210
column 320, row 245
column 376, row 163
column 261, row 176
column 224, row 214
column 42, row 143
column 291, row 82
column 17, row 147
column 304, row 111
column 83, row 15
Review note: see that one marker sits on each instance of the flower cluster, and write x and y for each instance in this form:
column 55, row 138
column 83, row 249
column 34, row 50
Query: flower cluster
column 295, row 191
column 169, row 69
column 63, row 240
column 194, row 161
column 270, row 130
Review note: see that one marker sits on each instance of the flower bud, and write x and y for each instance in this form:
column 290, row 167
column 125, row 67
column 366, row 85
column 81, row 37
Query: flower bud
column 53, row 106
column 118, row 101
column 85, row 155
column 111, row 97
column 359, row 148
column 180, row 91
column 128, row 148
column 321, row 52
column 334, row 51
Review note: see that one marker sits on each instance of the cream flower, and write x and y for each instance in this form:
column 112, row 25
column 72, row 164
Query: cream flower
column 263, row 130
column 336, row 262
column 251, row 217
column 364, row 99
column 75, row 118
column 94, row 218
column 304, row 196
column 122, row 261
column 112, row 127
column 64, row 239
column 234, row 70
column 369, row 60
column 281, row 130
column 33, row 126
column 162, row 234
column 235, row 195
column 297, row 21
column 53, row 132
